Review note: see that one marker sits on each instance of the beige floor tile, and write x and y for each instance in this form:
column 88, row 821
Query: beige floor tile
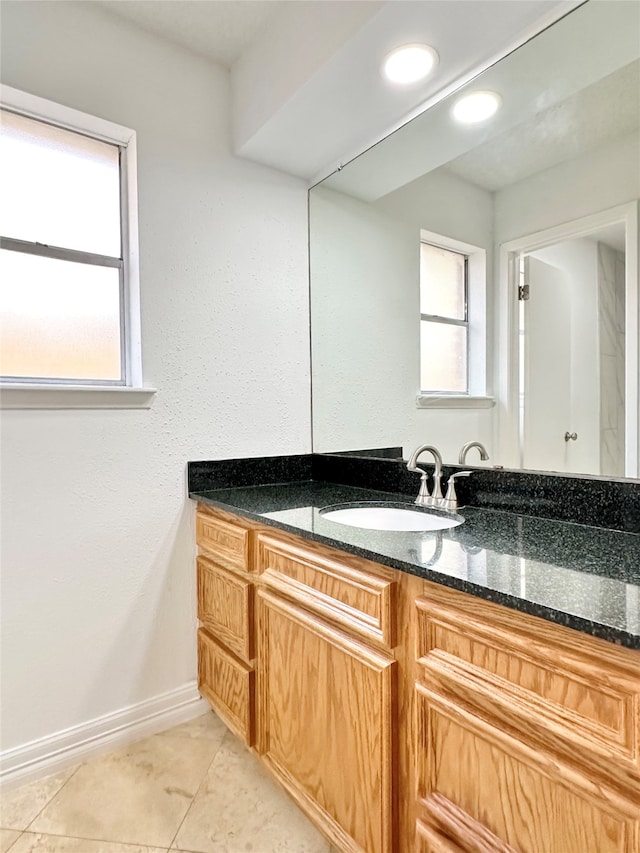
column 138, row 795
column 32, row 842
column 7, row 837
column 209, row 725
column 19, row 807
column 240, row 808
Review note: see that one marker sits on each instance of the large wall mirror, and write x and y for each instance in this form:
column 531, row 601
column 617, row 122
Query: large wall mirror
column 479, row 281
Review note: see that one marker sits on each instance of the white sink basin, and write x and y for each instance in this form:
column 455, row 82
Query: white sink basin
column 390, row 518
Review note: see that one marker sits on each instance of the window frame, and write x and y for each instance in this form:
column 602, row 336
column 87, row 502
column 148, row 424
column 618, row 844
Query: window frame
column 477, row 328
column 13, row 389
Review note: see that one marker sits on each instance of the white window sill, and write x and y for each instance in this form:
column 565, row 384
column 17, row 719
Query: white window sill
column 443, row 401
column 74, row 397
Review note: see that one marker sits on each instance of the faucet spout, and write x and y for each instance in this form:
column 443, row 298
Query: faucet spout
column 424, row 498
column 467, row 447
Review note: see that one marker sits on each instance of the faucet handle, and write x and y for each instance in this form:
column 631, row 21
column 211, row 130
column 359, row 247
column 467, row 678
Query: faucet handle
column 423, row 498
column 450, row 501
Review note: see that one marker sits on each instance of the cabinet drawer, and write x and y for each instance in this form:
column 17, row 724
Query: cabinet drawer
column 228, row 543
column 345, row 589
column 225, row 606
column 228, row 685
column 535, row 676
column 528, row 799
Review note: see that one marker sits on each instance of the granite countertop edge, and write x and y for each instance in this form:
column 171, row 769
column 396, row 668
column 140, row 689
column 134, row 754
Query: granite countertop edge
column 616, row 635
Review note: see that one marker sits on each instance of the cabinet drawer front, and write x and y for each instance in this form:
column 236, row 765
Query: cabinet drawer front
column 532, row 674
column 225, row 606
column 228, row 685
column 528, row 799
column 343, row 590
column 228, row 543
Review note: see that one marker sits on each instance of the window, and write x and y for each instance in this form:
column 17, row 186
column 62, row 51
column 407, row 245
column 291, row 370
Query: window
column 444, row 325
column 69, row 313
column 452, row 321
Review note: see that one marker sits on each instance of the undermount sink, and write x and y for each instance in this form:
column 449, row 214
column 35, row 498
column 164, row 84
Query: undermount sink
column 389, row 517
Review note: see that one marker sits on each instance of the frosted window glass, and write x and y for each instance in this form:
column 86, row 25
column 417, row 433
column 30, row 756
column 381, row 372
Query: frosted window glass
column 58, row 187
column 443, row 357
column 58, row 319
column 442, row 286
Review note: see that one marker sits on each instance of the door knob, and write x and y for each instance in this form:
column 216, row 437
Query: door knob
column 570, row 436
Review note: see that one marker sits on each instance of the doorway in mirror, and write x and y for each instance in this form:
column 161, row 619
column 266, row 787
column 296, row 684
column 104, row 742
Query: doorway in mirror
column 577, row 347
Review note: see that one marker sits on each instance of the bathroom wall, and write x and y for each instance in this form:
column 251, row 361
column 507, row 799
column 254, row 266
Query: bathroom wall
column 98, row 598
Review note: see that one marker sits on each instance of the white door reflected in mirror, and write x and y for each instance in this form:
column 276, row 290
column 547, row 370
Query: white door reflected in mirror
column 572, row 352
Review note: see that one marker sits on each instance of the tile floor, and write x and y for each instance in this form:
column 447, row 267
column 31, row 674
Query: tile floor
column 191, row 789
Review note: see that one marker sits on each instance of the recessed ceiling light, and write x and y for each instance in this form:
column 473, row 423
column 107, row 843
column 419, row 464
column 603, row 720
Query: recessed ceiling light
column 477, row 106
column 409, row 63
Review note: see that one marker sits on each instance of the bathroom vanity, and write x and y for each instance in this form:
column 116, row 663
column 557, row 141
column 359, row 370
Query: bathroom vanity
column 403, row 708
column 474, row 689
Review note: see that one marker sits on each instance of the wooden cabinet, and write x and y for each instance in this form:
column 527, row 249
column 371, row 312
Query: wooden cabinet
column 228, row 684
column 355, row 594
column 225, row 607
column 405, row 717
column 226, row 671
column 529, row 799
column 327, row 704
column 327, row 715
column 532, row 731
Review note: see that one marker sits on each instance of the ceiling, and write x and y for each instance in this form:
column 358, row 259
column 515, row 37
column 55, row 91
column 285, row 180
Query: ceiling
column 583, row 122
column 306, row 89
column 219, row 30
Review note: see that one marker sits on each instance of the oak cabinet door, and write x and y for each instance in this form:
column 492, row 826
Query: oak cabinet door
column 481, row 776
column 327, row 724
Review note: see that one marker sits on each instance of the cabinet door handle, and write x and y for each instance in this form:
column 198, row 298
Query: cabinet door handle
column 570, row 436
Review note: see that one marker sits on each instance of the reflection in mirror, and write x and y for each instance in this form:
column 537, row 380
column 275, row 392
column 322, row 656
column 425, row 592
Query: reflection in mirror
column 563, row 150
column 572, row 355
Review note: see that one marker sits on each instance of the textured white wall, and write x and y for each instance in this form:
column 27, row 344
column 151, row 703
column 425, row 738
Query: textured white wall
column 98, row 599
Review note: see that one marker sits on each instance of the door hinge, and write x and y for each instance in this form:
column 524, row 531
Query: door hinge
column 523, row 292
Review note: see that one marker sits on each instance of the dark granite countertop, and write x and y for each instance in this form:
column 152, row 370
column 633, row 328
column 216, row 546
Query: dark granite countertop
column 586, row 578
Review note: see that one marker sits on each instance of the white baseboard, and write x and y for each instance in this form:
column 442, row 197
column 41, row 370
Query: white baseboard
column 58, row 751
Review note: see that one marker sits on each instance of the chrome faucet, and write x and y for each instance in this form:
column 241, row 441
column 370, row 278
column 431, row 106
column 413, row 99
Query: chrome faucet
column 424, row 498
column 467, row 447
